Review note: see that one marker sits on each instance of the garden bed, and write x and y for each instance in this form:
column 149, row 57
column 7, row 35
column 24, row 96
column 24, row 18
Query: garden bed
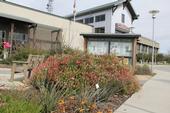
column 75, row 82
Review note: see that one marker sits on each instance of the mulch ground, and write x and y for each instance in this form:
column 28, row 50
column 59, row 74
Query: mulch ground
column 115, row 102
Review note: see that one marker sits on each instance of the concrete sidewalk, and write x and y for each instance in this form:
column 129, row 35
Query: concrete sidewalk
column 154, row 97
column 6, row 84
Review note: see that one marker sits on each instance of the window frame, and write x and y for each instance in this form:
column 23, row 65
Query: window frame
column 100, row 18
column 99, row 28
column 89, row 20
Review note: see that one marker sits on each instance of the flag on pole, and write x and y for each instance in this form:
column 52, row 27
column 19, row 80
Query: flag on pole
column 74, row 10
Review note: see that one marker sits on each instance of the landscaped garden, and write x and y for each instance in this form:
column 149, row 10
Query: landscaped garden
column 73, row 82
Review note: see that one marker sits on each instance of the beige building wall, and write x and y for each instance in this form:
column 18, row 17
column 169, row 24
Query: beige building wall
column 70, row 30
column 146, row 41
column 144, row 45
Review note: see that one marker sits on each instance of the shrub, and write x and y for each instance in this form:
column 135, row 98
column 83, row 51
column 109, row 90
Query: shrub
column 143, row 70
column 76, row 69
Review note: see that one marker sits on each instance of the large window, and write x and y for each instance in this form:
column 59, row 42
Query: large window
column 100, row 18
column 121, row 48
column 98, row 47
column 118, row 47
column 89, row 20
column 100, row 30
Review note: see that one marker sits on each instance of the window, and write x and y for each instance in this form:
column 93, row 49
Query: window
column 98, row 47
column 123, row 18
column 121, row 48
column 100, row 30
column 100, row 18
column 80, row 21
column 89, row 20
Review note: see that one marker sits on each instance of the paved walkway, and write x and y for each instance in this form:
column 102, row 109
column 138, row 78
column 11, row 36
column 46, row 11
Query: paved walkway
column 5, row 83
column 154, row 97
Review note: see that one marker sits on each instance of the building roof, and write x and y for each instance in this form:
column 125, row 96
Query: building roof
column 11, row 3
column 107, row 6
column 17, row 18
column 10, row 14
column 110, row 35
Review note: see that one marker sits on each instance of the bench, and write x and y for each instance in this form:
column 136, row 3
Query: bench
column 32, row 61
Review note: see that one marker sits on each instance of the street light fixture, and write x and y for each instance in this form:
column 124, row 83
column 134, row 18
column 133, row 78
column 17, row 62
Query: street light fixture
column 153, row 13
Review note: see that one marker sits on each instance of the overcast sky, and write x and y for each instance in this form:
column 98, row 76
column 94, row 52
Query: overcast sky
column 142, row 26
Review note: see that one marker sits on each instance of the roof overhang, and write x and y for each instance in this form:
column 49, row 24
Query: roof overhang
column 13, row 17
column 131, row 10
column 116, row 35
column 29, row 21
column 50, row 28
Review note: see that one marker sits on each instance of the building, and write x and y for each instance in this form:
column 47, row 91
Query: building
column 23, row 25
column 114, row 18
column 144, row 45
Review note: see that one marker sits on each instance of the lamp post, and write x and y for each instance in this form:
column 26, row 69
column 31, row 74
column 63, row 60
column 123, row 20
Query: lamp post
column 153, row 13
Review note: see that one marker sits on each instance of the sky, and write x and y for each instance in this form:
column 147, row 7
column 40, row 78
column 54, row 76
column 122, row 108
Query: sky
column 141, row 26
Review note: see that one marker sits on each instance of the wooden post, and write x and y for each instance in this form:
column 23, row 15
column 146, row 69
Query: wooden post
column 11, row 35
column 134, row 53
column 13, row 72
column 51, row 41
column 28, row 36
column 34, row 36
column 85, row 44
column 25, row 71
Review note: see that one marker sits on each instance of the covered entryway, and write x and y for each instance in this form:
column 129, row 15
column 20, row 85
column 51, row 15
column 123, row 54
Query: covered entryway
column 21, row 32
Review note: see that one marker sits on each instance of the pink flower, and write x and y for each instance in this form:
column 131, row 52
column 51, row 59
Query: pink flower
column 6, row 45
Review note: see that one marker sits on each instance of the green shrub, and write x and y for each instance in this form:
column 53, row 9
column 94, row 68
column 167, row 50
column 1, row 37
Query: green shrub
column 143, row 70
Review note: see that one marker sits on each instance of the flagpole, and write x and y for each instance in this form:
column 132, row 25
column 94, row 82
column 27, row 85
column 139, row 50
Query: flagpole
column 74, row 10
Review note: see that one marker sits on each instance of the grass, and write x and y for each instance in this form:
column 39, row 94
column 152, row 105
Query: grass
column 12, row 103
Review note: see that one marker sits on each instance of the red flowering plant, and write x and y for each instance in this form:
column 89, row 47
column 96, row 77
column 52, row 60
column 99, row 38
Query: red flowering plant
column 77, row 69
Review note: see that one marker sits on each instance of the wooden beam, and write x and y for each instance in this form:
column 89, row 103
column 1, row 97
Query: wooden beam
column 11, row 37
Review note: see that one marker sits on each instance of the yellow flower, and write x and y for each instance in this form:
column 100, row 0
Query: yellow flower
column 81, row 110
column 61, row 102
column 99, row 112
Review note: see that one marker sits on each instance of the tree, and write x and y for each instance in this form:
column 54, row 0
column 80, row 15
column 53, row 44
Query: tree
column 160, row 57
